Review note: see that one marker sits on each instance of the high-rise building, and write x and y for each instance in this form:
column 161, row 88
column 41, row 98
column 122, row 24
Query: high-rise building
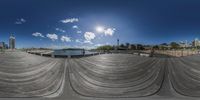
column 2, row 45
column 196, row 42
column 12, row 42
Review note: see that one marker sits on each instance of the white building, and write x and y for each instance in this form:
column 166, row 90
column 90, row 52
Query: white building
column 184, row 44
column 12, row 42
column 196, row 42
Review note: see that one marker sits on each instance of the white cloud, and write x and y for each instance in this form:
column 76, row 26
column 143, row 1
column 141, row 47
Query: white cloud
column 97, row 45
column 53, row 36
column 23, row 20
column 60, row 30
column 20, row 21
column 83, row 41
column 58, row 46
column 61, row 46
column 37, row 34
column 70, row 20
column 87, row 42
column 89, row 36
column 87, row 47
column 79, row 32
column 75, row 27
column 105, row 31
column 78, row 41
column 65, row 39
column 109, row 31
column 108, row 43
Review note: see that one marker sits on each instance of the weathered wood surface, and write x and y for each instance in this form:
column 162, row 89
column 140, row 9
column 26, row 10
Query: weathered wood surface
column 116, row 75
column 25, row 75
column 185, row 75
column 107, row 75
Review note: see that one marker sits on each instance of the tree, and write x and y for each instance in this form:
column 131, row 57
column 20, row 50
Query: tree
column 198, row 47
column 105, row 47
column 156, row 47
column 174, row 45
column 162, row 47
column 164, row 44
column 127, row 45
column 122, row 45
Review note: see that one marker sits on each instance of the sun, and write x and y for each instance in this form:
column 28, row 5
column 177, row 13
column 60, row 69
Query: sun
column 100, row 29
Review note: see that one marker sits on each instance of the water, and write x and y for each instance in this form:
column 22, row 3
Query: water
column 76, row 52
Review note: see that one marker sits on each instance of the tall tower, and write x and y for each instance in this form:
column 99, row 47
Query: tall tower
column 12, row 42
column 117, row 43
column 196, row 42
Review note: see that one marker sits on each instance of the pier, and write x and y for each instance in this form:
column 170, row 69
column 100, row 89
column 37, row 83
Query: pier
column 103, row 76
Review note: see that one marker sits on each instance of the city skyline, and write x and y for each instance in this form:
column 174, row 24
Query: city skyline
column 59, row 24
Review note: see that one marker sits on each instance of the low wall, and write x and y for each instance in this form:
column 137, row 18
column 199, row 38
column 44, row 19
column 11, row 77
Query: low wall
column 178, row 53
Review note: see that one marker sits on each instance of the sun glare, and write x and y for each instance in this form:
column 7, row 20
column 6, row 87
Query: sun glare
column 99, row 29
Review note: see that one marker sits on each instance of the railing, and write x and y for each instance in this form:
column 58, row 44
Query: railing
column 178, row 53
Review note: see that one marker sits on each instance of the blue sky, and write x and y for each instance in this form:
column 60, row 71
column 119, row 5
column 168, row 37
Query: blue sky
column 74, row 23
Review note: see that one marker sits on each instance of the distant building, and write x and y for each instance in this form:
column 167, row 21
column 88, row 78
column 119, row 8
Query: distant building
column 196, row 42
column 139, row 47
column 2, row 45
column 12, row 42
column 183, row 44
column 127, row 45
column 146, row 47
column 132, row 47
column 164, row 47
column 6, row 46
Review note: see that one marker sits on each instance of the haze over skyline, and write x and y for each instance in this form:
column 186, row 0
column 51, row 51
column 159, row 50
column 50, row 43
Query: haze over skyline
column 90, row 23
